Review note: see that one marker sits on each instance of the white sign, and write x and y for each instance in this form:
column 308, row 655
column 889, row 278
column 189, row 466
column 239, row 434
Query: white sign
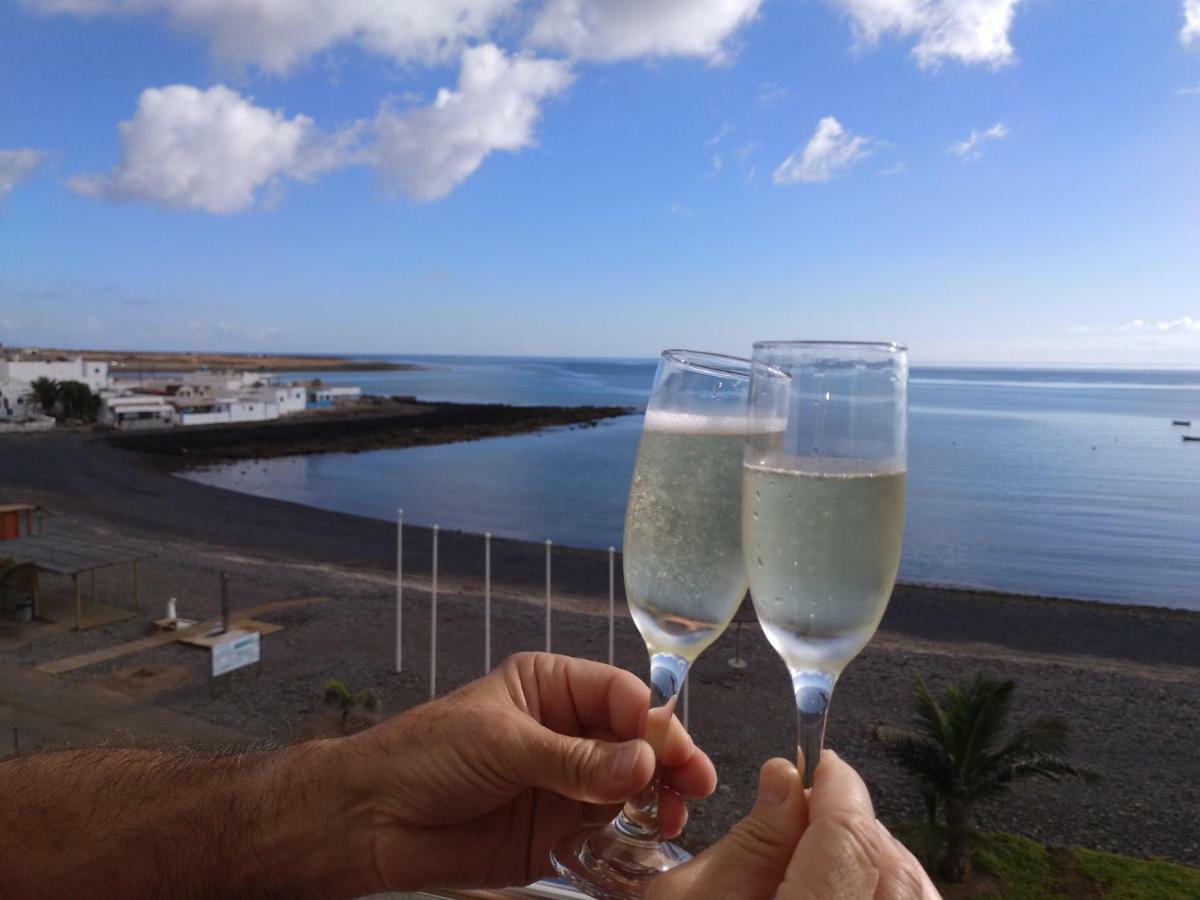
column 235, row 649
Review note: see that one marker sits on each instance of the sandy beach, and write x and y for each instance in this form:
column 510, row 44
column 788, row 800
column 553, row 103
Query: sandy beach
column 1127, row 678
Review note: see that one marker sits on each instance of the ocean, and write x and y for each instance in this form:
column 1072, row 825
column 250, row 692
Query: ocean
column 1053, row 481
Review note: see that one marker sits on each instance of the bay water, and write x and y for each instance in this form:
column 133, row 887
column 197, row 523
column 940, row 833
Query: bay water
column 1051, row 481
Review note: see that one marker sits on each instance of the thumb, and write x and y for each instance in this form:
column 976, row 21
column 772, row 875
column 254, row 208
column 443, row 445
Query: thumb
column 584, row 769
column 750, row 861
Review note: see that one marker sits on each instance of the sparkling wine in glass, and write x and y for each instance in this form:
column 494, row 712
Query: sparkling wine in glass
column 684, row 578
column 823, row 509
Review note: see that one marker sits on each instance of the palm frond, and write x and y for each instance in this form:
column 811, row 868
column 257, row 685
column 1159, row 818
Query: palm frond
column 919, row 754
column 979, row 717
column 336, row 693
column 930, row 714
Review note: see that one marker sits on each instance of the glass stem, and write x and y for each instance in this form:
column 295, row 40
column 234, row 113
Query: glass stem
column 639, row 818
column 813, row 692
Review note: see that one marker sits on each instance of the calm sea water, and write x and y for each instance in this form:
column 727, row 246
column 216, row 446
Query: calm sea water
column 1071, row 483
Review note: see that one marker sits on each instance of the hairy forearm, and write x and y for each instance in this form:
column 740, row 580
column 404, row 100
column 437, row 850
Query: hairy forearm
column 134, row 822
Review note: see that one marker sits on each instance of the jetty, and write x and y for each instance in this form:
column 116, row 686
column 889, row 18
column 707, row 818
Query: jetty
column 1191, row 437
column 1186, row 423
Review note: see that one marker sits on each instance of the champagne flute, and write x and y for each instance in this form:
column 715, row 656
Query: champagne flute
column 684, row 578
column 823, row 509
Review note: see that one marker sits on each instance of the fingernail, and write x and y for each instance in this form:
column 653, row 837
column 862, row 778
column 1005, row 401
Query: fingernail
column 625, row 760
column 774, row 788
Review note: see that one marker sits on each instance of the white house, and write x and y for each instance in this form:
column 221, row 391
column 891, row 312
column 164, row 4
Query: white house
column 222, row 410
column 327, row 395
column 289, row 398
column 135, row 411
column 26, row 371
column 15, row 400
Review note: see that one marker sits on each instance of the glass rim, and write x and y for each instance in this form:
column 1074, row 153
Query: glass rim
column 708, row 363
column 890, row 346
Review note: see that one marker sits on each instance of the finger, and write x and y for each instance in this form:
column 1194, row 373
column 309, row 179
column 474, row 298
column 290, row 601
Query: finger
column 697, row 778
column 672, row 813
column 843, row 848
column 686, row 767
column 583, row 769
column 901, row 877
column 750, row 861
column 679, row 746
column 838, row 790
column 573, row 696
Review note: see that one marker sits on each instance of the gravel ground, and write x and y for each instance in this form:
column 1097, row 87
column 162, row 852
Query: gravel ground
column 1127, row 679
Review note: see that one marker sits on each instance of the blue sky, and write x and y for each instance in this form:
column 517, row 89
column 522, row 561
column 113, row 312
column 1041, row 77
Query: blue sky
column 988, row 180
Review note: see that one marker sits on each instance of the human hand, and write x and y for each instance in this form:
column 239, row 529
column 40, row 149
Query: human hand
column 475, row 788
column 827, row 845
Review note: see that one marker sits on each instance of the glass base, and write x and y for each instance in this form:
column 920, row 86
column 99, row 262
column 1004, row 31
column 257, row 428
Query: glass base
column 609, row 861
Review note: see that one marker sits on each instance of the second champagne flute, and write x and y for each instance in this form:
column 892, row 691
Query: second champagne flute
column 823, row 509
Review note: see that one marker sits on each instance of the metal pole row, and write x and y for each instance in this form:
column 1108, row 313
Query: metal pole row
column 487, row 604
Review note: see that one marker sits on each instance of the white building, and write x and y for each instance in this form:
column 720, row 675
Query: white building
column 135, row 411
column 26, row 371
column 289, row 398
column 223, row 410
column 328, row 395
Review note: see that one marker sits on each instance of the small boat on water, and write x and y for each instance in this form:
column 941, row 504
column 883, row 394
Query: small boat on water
column 1184, row 422
column 1191, row 437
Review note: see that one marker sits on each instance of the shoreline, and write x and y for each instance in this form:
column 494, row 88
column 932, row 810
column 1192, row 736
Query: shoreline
column 83, row 473
column 371, row 424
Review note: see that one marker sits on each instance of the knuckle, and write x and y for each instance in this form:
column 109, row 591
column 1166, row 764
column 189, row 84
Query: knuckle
column 580, row 758
column 905, row 880
column 753, row 837
column 859, row 834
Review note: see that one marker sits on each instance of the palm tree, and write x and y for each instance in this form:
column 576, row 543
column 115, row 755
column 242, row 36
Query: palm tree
column 47, row 391
column 339, row 696
column 959, row 755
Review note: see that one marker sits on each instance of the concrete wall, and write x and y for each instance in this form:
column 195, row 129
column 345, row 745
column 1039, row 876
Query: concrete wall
column 93, row 374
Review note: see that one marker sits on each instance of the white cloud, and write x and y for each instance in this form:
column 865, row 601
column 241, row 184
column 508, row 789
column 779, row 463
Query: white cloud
column 829, row 151
column 971, row 147
column 1184, row 325
column 607, row 30
column 967, row 31
column 426, row 152
column 900, row 167
column 277, row 34
column 772, row 93
column 16, row 166
column 1191, row 22
column 212, row 150
column 678, row 209
column 1191, row 90
column 723, row 132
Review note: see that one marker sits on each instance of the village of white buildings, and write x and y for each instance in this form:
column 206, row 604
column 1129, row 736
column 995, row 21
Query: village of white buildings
column 132, row 400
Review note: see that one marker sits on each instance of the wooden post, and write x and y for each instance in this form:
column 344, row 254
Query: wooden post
column 37, row 592
column 137, row 591
column 78, row 605
column 93, row 586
